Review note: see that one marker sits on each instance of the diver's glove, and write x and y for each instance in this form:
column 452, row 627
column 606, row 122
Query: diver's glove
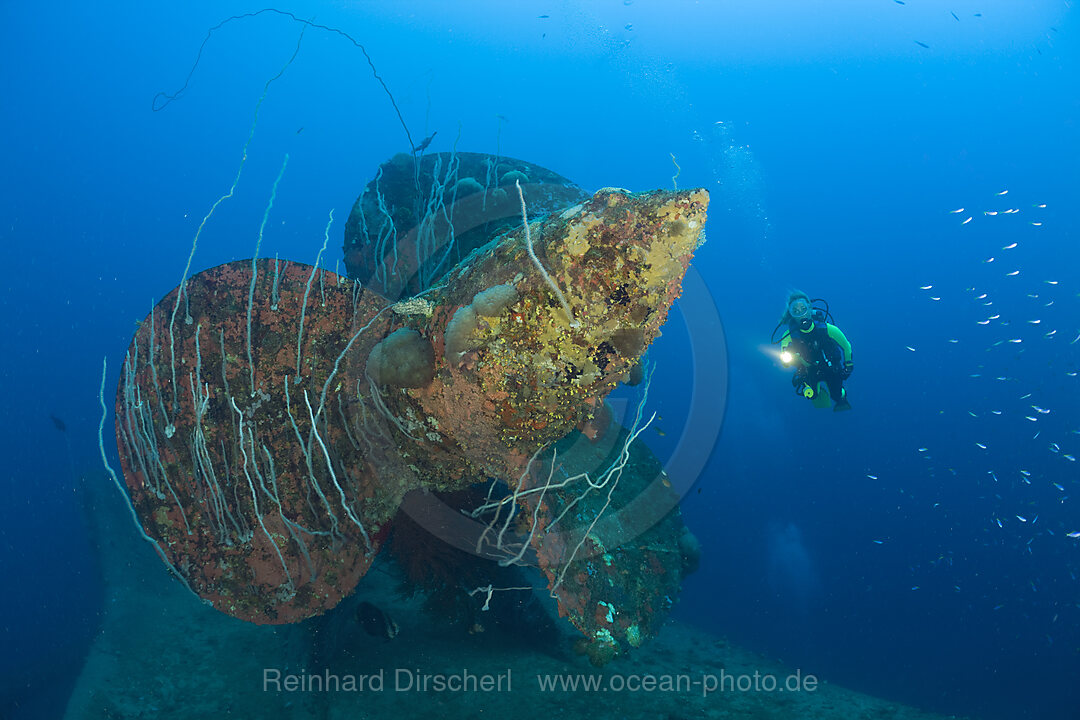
column 798, row 381
column 847, row 369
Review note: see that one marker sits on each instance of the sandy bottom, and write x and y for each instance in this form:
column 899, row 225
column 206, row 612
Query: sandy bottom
column 162, row 654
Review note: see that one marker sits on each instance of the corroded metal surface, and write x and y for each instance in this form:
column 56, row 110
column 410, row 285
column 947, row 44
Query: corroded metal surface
column 531, row 374
column 421, row 216
column 227, row 475
column 267, row 462
column 613, row 557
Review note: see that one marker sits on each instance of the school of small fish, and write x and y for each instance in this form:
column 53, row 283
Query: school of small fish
column 1022, row 390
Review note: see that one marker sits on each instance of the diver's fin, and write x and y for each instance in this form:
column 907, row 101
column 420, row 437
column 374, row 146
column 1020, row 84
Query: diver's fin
column 820, row 399
column 842, row 404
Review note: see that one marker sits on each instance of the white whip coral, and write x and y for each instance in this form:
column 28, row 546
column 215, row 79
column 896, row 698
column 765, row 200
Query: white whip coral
column 536, row 260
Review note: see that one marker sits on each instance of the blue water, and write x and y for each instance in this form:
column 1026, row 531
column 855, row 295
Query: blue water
column 835, row 146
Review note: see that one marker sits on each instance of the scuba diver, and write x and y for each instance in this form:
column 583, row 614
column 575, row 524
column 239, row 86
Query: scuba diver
column 818, row 351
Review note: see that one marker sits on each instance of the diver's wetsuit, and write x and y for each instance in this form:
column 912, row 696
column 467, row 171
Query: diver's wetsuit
column 822, row 354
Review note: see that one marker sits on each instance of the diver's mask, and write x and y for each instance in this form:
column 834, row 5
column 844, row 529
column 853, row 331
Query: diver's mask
column 801, row 314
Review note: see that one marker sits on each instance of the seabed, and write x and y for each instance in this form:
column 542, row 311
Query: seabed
column 162, row 654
